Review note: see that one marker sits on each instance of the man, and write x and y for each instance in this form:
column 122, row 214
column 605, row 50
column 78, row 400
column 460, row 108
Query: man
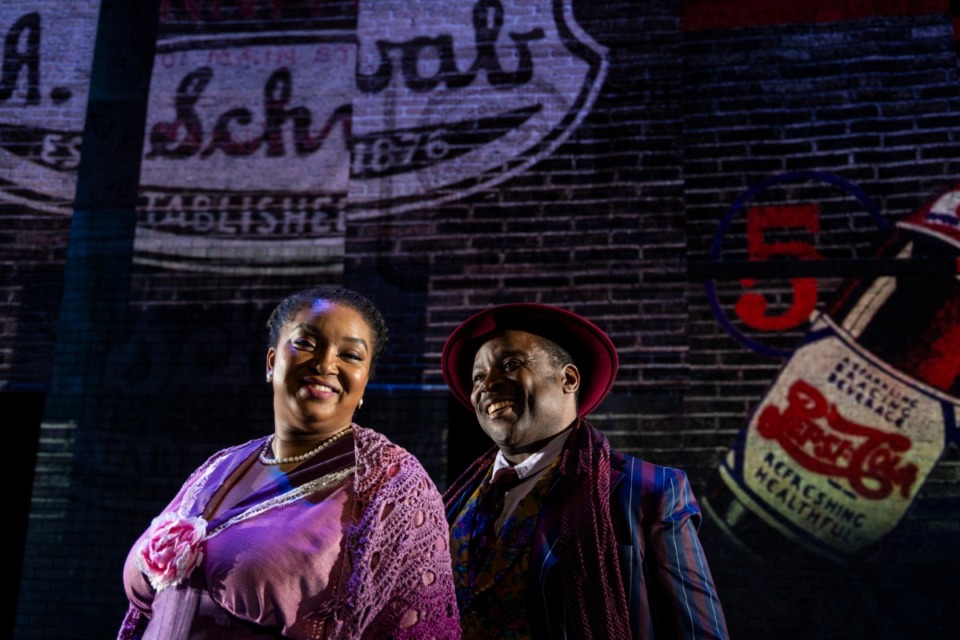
column 553, row 534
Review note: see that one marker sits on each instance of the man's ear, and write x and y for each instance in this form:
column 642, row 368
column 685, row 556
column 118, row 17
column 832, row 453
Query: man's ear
column 571, row 378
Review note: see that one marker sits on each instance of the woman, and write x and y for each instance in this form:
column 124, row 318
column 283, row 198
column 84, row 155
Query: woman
column 323, row 529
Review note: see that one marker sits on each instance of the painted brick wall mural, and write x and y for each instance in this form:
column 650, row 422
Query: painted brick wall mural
column 45, row 63
column 757, row 201
column 44, row 82
column 246, row 151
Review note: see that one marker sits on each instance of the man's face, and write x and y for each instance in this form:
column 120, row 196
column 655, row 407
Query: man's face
column 520, row 394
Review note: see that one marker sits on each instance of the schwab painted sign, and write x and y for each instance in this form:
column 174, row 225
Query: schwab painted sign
column 259, row 142
column 246, row 145
column 462, row 96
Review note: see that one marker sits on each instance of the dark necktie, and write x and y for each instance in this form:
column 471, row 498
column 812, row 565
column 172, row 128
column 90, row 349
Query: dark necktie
column 488, row 509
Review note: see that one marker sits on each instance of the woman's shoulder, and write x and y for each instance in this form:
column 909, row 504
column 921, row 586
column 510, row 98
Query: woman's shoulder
column 381, row 461
column 243, row 449
column 374, row 445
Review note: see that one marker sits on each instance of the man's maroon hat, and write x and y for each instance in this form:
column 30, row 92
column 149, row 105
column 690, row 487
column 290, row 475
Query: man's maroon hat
column 592, row 350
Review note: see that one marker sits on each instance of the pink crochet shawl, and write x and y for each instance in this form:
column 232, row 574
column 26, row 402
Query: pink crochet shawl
column 401, row 583
column 399, row 548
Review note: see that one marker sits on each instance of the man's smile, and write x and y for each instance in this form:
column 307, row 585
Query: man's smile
column 494, row 407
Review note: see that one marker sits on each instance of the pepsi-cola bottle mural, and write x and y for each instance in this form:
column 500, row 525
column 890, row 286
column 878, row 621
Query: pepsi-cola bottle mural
column 841, row 443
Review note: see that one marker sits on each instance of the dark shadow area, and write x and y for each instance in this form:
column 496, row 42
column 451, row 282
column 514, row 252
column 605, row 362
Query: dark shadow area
column 467, row 441
column 22, row 412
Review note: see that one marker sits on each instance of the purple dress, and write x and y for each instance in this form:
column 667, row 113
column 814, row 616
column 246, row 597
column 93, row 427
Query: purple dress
column 350, row 544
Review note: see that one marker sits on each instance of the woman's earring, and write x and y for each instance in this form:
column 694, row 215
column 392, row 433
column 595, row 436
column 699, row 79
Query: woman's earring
column 270, row 378
column 360, row 406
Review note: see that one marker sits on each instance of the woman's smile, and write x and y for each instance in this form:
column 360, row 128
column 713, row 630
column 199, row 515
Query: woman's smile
column 320, row 390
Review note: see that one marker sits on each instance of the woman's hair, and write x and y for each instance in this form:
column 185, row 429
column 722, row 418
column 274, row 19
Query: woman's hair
column 294, row 303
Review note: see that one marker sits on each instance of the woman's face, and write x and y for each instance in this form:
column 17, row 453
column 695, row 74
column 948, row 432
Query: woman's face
column 320, row 368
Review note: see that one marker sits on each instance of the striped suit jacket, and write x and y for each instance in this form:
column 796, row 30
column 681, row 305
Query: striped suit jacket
column 669, row 589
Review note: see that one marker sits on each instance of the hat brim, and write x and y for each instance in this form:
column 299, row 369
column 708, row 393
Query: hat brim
column 593, row 352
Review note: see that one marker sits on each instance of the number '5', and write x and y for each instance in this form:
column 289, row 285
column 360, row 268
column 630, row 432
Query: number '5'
column 752, row 307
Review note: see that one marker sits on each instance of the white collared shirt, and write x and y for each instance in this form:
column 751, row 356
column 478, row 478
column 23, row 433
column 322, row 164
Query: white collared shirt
column 529, row 471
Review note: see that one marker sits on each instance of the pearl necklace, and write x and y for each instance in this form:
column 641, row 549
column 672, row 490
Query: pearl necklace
column 304, row 456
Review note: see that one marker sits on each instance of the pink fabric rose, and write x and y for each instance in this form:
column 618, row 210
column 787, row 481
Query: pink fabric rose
column 172, row 549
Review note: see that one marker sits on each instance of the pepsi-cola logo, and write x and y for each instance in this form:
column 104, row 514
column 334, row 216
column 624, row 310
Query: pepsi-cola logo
column 817, row 436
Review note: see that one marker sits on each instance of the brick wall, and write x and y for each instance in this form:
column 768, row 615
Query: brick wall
column 43, row 91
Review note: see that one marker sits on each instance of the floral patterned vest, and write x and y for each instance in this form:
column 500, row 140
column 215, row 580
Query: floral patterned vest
column 495, row 603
